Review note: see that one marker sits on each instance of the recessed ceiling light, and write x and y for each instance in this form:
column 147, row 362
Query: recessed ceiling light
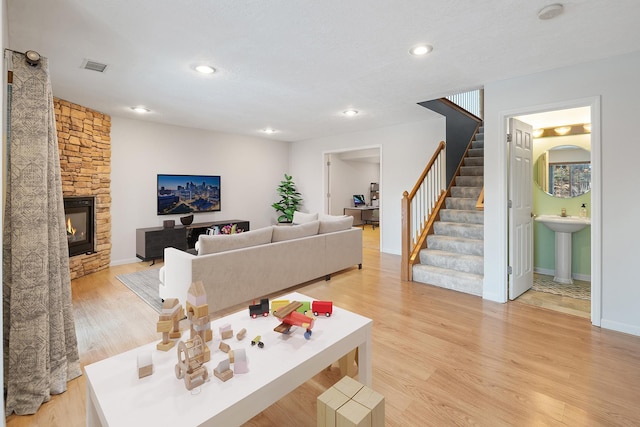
column 350, row 112
column 140, row 109
column 269, row 130
column 537, row 133
column 421, row 49
column 205, row 69
column 550, row 11
column 563, row 130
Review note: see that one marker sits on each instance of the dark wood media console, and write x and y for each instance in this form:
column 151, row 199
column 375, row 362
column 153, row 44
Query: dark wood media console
column 150, row 242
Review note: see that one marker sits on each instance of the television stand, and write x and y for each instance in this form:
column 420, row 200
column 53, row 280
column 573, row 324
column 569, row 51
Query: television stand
column 150, row 242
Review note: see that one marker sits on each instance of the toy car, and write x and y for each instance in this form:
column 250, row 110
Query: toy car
column 322, row 307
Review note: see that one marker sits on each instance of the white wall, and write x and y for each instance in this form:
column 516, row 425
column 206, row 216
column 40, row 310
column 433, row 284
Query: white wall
column 404, row 152
column 250, row 168
column 615, row 81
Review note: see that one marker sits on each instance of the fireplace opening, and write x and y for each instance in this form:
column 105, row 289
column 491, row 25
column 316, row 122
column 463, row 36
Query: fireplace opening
column 80, row 224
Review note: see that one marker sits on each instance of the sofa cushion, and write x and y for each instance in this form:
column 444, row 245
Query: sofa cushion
column 211, row 244
column 335, row 224
column 303, row 218
column 327, row 217
column 282, row 233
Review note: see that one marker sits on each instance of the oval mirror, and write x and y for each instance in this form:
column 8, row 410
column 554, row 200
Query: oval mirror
column 563, row 171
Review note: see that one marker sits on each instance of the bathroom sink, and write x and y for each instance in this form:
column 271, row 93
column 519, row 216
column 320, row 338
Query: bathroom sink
column 564, row 224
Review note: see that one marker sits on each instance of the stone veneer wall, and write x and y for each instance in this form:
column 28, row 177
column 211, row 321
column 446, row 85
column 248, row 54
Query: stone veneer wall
column 84, row 142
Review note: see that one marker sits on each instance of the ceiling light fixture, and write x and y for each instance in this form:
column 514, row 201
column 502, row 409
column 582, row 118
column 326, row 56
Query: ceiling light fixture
column 205, row 69
column 587, row 127
column 350, row 112
column 563, row 130
column 421, row 49
column 140, row 109
column 550, row 11
column 269, row 131
column 537, row 133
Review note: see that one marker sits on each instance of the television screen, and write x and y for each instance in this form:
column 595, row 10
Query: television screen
column 358, row 200
column 182, row 194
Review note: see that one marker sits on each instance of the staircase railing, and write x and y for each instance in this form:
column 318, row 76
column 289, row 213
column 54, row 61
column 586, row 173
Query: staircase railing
column 421, row 208
column 417, row 207
column 480, row 202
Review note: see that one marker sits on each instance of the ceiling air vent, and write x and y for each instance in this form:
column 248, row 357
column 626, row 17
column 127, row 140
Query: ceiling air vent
column 94, row 66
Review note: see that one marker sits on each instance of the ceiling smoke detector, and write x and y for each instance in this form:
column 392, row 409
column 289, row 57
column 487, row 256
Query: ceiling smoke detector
column 550, row 11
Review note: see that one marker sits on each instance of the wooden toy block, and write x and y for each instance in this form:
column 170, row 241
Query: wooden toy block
column 224, row 347
column 232, row 356
column 226, row 332
column 240, row 365
column 162, row 346
column 197, row 310
column 348, row 386
column 353, row 414
column 164, row 326
column 197, row 295
column 240, row 335
column 328, row 404
column 374, row 402
column 348, row 363
column 145, row 364
column 223, row 370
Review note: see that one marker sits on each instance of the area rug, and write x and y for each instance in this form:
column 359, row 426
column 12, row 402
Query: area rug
column 144, row 283
column 579, row 289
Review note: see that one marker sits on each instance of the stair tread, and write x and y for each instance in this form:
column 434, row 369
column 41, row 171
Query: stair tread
column 440, row 252
column 442, row 270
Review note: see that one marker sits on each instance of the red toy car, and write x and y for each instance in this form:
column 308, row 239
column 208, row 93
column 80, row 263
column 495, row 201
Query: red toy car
column 322, row 307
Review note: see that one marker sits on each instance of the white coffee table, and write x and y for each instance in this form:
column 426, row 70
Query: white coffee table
column 116, row 397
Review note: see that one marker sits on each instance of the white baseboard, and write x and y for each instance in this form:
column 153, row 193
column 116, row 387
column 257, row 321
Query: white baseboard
column 124, row 261
column 548, row 272
column 620, row 327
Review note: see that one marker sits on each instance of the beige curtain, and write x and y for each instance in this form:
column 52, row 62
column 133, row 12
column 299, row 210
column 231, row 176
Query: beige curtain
column 40, row 346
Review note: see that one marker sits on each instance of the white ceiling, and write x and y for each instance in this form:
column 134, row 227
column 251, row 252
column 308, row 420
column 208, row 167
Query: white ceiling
column 296, row 65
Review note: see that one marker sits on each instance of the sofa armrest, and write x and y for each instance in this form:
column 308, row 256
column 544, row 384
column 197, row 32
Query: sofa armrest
column 177, row 274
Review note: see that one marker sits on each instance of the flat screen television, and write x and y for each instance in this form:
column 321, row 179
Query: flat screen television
column 183, row 194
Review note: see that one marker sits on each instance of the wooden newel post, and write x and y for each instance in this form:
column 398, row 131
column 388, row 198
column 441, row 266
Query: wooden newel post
column 405, row 273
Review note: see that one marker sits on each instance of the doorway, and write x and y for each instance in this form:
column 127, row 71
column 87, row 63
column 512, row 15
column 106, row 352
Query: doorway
column 578, row 113
column 352, row 172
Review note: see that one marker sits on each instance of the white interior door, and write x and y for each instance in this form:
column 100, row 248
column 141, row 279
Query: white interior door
column 521, row 211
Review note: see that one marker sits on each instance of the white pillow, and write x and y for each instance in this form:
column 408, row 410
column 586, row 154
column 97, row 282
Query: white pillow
column 326, row 217
column 303, row 218
column 282, row 233
column 333, row 225
column 211, row 244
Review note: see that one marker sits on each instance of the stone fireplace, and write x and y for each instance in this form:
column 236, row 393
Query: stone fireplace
column 79, row 220
column 84, row 143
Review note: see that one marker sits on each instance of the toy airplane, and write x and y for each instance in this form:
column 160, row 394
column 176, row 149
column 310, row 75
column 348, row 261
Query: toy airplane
column 290, row 317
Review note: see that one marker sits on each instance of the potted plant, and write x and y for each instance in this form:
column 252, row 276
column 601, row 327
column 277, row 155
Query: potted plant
column 290, row 199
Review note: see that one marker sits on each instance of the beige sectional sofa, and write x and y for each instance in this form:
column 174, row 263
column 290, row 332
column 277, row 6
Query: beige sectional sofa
column 243, row 267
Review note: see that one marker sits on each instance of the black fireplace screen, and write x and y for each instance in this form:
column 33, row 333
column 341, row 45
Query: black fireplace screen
column 79, row 222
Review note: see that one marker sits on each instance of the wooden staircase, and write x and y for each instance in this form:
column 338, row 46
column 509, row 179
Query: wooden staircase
column 454, row 253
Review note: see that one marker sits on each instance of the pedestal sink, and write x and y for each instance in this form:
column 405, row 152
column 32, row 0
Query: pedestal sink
column 563, row 226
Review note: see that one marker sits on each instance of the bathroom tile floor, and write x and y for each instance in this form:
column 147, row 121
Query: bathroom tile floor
column 562, row 299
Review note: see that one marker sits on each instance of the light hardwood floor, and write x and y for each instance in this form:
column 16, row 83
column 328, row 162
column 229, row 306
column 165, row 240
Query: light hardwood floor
column 440, row 357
